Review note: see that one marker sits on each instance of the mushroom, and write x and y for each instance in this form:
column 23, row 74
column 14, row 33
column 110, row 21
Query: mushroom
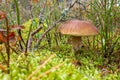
column 77, row 29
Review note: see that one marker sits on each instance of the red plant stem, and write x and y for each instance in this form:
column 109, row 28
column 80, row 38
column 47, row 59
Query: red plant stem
column 7, row 44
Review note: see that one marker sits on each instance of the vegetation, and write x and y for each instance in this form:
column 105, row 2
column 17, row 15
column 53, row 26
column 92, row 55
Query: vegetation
column 31, row 48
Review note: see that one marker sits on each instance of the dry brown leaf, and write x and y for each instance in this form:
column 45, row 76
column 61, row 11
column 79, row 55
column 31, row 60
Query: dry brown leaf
column 4, row 68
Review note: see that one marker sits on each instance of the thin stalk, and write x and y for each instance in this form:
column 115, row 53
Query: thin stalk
column 3, row 57
column 56, row 40
column 17, row 10
column 48, row 36
column 28, row 38
column 93, row 44
column 7, row 45
column 88, row 41
column 106, row 26
column 18, row 20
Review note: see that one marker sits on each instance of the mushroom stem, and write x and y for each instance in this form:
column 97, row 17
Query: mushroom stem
column 76, row 42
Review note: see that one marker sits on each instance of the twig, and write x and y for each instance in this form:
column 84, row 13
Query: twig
column 73, row 4
column 39, row 67
column 48, row 71
column 52, row 26
column 31, row 37
column 14, row 50
column 36, row 31
column 31, row 34
column 42, row 36
column 7, row 44
column 3, row 56
column 18, row 20
column 28, row 37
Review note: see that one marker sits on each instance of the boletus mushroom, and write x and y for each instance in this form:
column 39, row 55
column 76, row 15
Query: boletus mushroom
column 77, row 29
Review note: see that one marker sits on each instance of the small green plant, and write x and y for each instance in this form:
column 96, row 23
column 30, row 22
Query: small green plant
column 105, row 16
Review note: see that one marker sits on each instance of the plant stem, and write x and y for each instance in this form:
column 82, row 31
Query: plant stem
column 7, row 44
column 43, row 35
column 18, row 20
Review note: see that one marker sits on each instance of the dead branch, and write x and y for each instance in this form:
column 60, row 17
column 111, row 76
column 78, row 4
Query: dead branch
column 48, row 71
column 36, row 31
column 31, row 37
column 14, row 50
column 43, row 35
column 39, row 67
column 31, row 34
column 3, row 57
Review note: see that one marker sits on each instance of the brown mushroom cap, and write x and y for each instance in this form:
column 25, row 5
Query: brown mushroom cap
column 78, row 28
column 2, row 15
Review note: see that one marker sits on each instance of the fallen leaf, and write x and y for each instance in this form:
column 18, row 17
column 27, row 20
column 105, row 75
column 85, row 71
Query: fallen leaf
column 11, row 35
column 2, row 38
column 4, row 68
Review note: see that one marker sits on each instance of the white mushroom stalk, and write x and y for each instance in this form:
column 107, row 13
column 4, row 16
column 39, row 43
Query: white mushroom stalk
column 76, row 42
